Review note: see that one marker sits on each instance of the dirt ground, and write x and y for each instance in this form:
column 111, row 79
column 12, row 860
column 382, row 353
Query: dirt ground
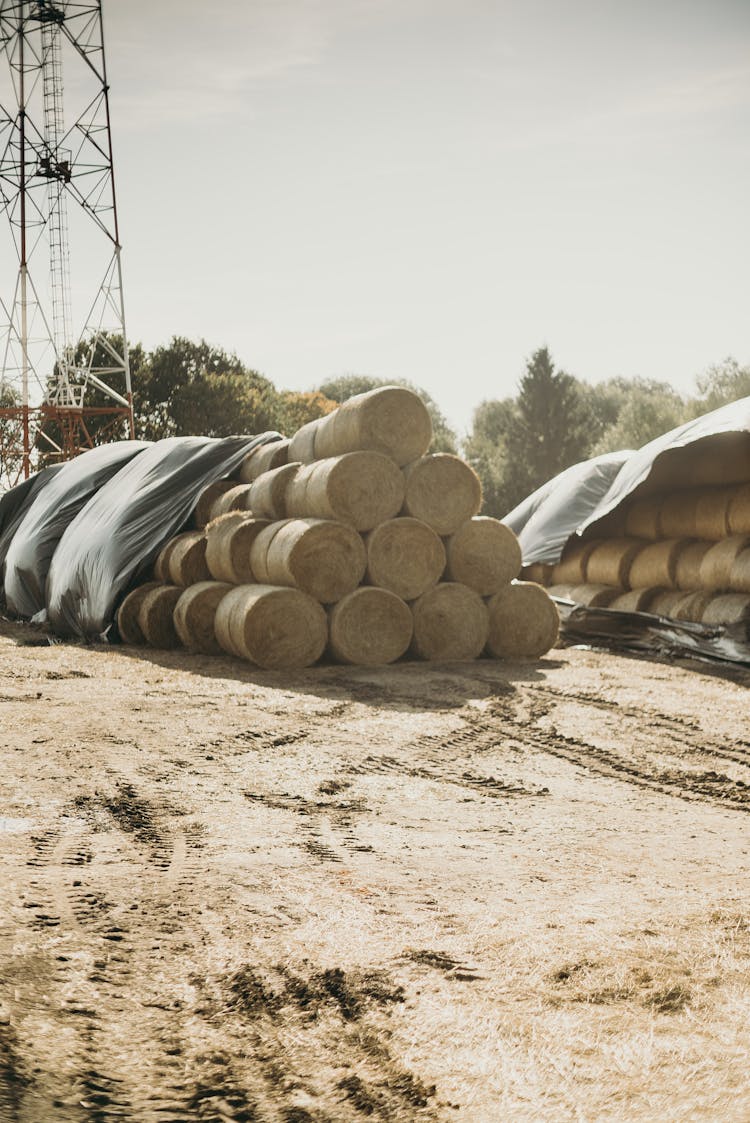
column 479, row 892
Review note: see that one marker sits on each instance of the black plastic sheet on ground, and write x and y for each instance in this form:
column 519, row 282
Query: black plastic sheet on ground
column 655, row 635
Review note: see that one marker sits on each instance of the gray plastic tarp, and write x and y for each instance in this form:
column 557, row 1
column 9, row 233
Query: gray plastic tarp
column 13, row 506
column 112, row 543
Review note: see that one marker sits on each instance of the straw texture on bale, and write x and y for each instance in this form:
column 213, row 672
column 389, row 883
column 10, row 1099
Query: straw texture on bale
column 571, row 569
column 263, row 459
column 450, row 622
column 715, row 461
column 656, row 564
column 268, row 493
column 323, row 558
column 594, row 596
column 663, row 601
column 156, row 617
column 369, row 626
column 609, row 562
column 524, row 622
column 359, row 488
column 206, row 500
column 642, row 518
column 563, row 592
column 700, row 513
column 637, row 600
column 390, row 419
column 537, row 572
column 405, row 556
column 738, row 516
column 483, row 554
column 727, row 608
column 739, row 575
column 187, row 561
column 302, row 444
column 275, row 628
column 237, row 498
column 689, row 561
column 691, row 606
column 228, row 542
column 716, row 568
column 127, row 613
column 161, row 565
column 194, row 615
column 442, row 490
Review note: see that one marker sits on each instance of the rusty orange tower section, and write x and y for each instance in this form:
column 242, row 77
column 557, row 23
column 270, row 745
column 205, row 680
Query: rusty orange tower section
column 64, row 367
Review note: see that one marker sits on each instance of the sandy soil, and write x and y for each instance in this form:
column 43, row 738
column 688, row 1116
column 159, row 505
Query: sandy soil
column 473, row 892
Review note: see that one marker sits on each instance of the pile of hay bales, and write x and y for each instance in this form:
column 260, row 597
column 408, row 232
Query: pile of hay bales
column 681, row 553
column 349, row 540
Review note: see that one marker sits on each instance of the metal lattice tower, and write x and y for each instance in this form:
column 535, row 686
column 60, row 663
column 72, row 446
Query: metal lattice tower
column 61, row 390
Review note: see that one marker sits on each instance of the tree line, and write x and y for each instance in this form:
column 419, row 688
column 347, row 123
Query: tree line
column 515, row 443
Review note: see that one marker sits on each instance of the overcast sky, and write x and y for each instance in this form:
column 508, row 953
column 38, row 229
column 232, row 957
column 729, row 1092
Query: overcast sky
column 432, row 189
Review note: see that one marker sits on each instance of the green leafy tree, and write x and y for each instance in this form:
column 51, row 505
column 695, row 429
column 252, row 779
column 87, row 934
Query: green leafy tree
column 649, row 409
column 723, row 383
column 485, row 450
column 345, row 386
column 11, row 438
column 193, row 388
column 296, row 409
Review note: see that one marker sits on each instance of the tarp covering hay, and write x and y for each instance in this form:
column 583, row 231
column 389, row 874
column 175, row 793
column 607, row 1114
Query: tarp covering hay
column 325, row 559
column 275, row 628
column 405, row 556
column 194, row 615
column 450, row 622
column 228, row 542
column 523, row 622
column 369, row 626
column 484, row 554
column 156, row 616
column 361, row 488
column 443, row 491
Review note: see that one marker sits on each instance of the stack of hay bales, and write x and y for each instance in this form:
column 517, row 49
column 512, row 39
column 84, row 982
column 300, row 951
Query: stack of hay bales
column 348, row 539
column 682, row 553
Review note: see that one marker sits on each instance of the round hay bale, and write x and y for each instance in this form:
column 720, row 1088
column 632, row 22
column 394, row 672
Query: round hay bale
column 609, row 562
column 127, row 613
column 156, row 619
column 594, row 596
column 443, row 491
column 524, row 622
column 634, row 600
column 276, row 628
column 228, row 542
column 537, row 572
column 678, row 516
column 698, row 513
column 359, row 488
column 324, row 559
column 405, row 556
column 739, row 575
column 571, row 569
column 642, row 519
column 691, row 606
column 268, row 492
column 264, row 459
column 194, row 616
column 483, row 554
column 451, row 622
column 302, row 444
column 716, row 568
column 206, row 500
column 187, row 561
column 727, row 608
column 689, row 560
column 663, row 601
column 390, row 420
column 738, row 515
column 237, row 498
column 656, row 565
column 161, row 565
column 369, row 626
